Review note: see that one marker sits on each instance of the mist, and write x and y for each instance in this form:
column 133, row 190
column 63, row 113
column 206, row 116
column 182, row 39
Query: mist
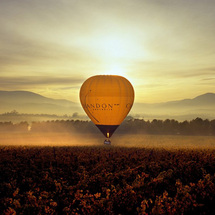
column 42, row 139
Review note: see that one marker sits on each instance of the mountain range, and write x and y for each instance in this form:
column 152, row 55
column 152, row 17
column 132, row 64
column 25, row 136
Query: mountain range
column 202, row 106
column 28, row 102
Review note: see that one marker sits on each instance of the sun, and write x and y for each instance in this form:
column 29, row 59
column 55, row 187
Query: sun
column 116, row 70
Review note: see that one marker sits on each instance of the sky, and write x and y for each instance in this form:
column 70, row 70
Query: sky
column 165, row 48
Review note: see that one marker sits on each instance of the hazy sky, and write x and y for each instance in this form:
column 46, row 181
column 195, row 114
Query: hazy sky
column 166, row 48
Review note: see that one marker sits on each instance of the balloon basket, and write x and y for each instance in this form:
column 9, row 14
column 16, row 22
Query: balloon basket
column 107, row 142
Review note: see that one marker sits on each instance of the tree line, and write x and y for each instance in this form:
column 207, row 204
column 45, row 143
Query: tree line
column 196, row 126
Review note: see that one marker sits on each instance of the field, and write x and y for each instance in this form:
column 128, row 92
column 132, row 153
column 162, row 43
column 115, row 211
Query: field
column 51, row 173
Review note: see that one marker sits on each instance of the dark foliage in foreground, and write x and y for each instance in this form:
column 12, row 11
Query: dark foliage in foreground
column 106, row 180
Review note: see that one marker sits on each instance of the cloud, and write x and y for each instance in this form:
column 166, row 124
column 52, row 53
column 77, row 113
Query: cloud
column 211, row 69
column 31, row 82
column 19, row 50
column 208, row 79
column 39, row 29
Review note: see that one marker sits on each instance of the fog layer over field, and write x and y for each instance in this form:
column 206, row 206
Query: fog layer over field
column 129, row 140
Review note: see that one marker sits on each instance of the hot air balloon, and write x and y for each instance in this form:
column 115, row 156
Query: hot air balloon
column 107, row 99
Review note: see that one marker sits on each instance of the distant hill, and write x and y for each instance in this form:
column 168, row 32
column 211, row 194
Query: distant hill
column 201, row 106
column 28, row 102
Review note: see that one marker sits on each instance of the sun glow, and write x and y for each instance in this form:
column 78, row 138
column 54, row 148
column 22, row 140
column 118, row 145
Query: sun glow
column 117, row 46
column 113, row 47
column 116, row 70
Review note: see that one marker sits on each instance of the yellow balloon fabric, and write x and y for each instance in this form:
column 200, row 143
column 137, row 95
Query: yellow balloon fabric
column 107, row 99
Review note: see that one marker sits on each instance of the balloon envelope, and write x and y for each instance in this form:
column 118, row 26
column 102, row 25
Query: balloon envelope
column 107, row 99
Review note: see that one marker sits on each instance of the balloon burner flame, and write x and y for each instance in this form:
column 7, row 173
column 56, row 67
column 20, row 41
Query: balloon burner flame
column 107, row 141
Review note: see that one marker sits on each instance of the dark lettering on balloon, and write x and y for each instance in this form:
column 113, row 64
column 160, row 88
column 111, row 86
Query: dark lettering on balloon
column 129, row 105
column 101, row 106
column 104, row 105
